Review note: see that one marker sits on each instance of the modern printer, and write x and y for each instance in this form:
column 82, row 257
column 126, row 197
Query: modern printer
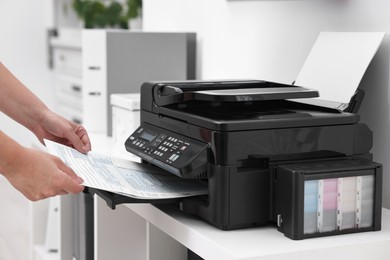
column 266, row 158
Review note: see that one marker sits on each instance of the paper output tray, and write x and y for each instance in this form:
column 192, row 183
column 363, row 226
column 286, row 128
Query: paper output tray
column 114, row 199
column 228, row 91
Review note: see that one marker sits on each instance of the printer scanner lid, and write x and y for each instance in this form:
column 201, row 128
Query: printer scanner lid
column 235, row 105
column 227, row 91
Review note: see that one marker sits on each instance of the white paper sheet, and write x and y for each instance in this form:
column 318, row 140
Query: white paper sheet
column 338, row 62
column 124, row 176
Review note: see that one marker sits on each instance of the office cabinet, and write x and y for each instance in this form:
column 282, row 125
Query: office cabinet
column 47, row 227
column 119, row 61
column 67, row 68
column 69, row 98
column 91, row 65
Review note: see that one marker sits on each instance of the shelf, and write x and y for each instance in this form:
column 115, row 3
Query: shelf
column 40, row 253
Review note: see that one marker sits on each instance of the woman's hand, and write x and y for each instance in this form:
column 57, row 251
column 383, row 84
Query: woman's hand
column 37, row 175
column 58, row 129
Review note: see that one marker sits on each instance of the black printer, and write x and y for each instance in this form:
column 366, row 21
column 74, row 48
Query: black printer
column 267, row 159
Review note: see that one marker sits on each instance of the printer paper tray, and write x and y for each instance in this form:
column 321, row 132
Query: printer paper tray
column 114, row 199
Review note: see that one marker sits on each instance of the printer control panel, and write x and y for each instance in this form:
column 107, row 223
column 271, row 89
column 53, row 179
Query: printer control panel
column 173, row 152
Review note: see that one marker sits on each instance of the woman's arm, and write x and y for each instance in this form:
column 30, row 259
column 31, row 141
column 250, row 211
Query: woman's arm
column 36, row 174
column 19, row 103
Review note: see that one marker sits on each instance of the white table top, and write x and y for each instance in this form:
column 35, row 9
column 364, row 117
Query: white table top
column 263, row 242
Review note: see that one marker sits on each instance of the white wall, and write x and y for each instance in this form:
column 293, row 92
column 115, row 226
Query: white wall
column 270, row 39
column 23, row 50
column 258, row 39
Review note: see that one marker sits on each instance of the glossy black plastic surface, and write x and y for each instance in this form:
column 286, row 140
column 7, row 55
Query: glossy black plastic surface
column 167, row 93
column 237, row 147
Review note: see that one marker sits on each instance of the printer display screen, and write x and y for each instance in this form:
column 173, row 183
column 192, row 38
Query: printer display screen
column 147, row 136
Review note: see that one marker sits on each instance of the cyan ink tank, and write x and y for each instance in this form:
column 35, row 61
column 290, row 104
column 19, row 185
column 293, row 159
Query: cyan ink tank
column 328, row 197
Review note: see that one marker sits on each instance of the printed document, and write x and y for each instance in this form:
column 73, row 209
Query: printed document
column 125, row 177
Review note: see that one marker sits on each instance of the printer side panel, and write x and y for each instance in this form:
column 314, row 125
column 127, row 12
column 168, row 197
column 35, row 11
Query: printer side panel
column 238, row 198
column 240, row 145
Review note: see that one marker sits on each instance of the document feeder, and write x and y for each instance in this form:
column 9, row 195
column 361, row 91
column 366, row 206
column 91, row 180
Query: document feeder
column 267, row 159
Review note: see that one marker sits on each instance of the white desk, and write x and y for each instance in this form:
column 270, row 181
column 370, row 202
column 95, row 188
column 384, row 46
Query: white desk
column 265, row 243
